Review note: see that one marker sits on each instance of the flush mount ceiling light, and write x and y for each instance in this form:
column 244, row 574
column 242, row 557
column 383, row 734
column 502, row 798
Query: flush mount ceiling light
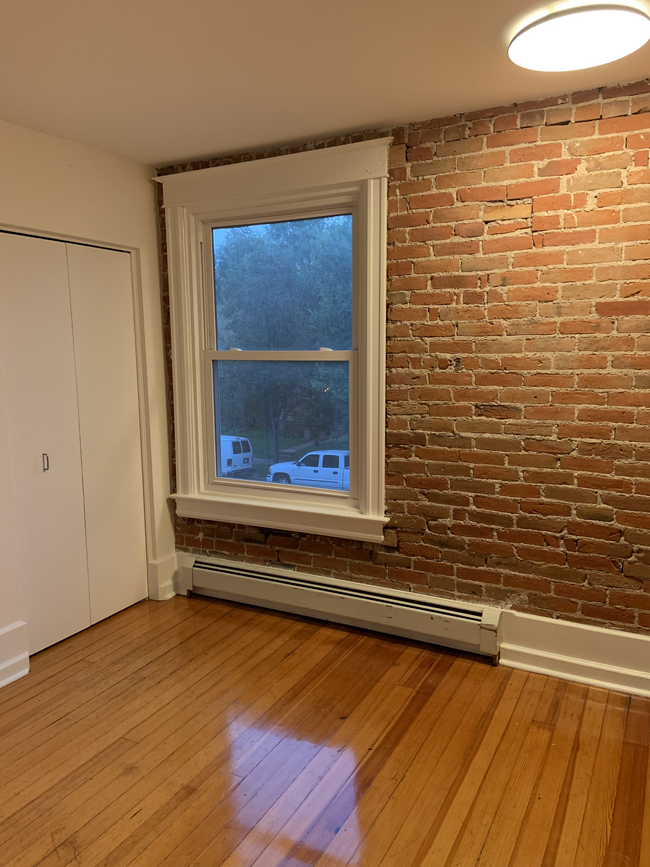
column 580, row 36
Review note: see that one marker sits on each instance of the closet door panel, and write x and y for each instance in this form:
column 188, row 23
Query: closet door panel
column 37, row 354
column 104, row 346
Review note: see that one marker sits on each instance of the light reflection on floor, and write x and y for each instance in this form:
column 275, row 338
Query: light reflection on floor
column 303, row 821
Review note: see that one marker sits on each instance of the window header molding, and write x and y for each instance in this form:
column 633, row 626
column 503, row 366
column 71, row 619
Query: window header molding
column 350, row 178
column 323, row 167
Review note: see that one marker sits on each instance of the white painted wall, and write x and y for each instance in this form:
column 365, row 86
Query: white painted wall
column 10, row 602
column 58, row 188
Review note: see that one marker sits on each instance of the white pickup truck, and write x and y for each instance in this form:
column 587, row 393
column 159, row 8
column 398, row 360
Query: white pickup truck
column 324, row 469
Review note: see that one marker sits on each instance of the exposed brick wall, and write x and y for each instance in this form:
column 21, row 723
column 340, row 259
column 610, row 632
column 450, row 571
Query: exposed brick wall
column 518, row 445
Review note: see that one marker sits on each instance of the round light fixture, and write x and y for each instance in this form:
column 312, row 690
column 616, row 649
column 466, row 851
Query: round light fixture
column 579, row 37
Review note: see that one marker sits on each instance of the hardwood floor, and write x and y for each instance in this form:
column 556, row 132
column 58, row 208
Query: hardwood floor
column 198, row 733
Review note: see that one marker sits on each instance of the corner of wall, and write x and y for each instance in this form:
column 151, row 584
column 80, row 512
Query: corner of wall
column 14, row 652
column 160, row 578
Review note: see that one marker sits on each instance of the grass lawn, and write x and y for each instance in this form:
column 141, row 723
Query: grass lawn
column 262, row 446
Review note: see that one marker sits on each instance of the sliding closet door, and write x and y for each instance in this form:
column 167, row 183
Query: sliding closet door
column 37, row 354
column 104, row 347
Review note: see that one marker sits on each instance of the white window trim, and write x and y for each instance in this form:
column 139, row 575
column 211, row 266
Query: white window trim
column 351, row 178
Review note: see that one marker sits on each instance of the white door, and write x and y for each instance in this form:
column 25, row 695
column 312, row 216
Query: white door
column 107, row 387
column 42, row 418
column 67, row 345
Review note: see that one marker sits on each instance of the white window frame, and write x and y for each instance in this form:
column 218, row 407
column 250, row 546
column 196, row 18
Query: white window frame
column 347, row 179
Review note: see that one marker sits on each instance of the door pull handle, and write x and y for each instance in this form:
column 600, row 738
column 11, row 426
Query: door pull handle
column 46, row 462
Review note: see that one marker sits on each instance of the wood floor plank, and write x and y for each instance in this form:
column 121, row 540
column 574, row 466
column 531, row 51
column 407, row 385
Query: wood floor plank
column 599, row 808
column 420, row 717
column 202, row 733
column 441, row 771
column 323, row 810
column 533, row 839
column 470, row 841
column 627, row 822
column 97, row 677
column 91, row 728
column 146, row 759
column 564, row 836
column 144, row 756
column 502, row 838
column 444, row 832
column 360, row 733
column 644, row 855
column 427, row 711
column 269, row 772
column 88, row 640
column 45, row 670
column 232, row 665
column 430, row 748
column 324, row 758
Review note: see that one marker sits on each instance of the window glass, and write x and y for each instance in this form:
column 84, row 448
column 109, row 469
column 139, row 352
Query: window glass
column 236, row 447
column 331, row 462
column 285, row 409
column 284, row 286
column 245, row 446
column 309, row 461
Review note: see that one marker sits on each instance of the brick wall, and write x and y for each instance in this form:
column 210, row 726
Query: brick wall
column 518, row 445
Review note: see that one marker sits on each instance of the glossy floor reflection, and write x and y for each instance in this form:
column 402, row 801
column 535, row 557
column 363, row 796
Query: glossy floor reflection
column 195, row 733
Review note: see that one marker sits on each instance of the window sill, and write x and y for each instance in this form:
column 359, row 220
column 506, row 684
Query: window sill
column 344, row 522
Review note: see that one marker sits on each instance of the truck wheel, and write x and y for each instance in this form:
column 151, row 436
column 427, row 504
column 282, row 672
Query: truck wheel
column 281, row 479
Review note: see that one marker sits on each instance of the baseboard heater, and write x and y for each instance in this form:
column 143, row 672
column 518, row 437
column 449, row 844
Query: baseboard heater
column 412, row 615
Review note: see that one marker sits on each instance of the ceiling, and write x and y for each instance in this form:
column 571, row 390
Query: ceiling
column 162, row 81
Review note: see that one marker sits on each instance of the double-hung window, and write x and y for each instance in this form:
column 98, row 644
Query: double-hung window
column 278, row 340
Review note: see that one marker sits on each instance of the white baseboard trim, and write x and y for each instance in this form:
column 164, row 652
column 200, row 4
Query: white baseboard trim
column 608, row 658
column 14, row 652
column 183, row 574
column 160, row 578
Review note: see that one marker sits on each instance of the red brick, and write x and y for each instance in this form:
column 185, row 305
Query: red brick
column 584, row 96
column 512, row 137
column 603, row 612
column 638, row 140
column 552, row 203
column 578, row 431
column 570, row 131
column 619, row 90
column 624, row 124
column 623, row 308
column 570, row 237
column 433, row 200
column 558, row 167
column 593, row 146
column 626, row 196
column 482, row 194
column 553, row 603
column 536, row 153
column 499, row 245
column 528, row 189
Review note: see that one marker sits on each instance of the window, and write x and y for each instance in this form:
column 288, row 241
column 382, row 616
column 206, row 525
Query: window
column 282, row 287
column 278, row 340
